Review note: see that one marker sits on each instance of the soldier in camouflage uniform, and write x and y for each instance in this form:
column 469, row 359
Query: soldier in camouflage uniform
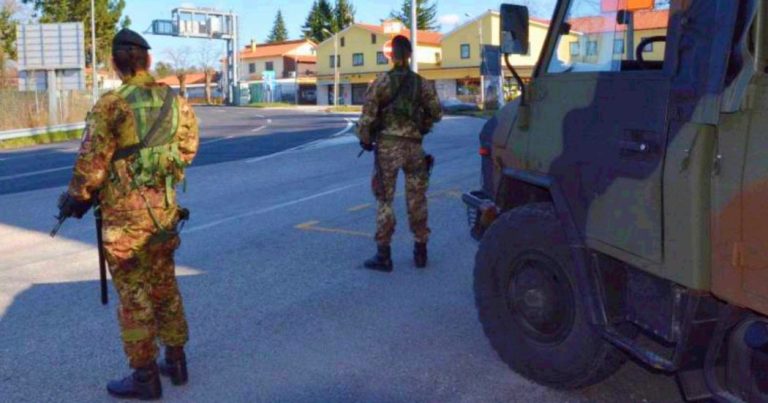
column 133, row 185
column 399, row 111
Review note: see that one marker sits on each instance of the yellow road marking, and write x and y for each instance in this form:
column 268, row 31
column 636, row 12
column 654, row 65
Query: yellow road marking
column 359, row 207
column 312, row 226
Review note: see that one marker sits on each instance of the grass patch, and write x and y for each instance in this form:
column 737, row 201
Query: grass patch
column 271, row 105
column 345, row 108
column 47, row 138
column 484, row 114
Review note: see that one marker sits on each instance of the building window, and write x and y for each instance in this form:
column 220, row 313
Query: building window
column 381, row 59
column 330, row 60
column 342, row 42
column 575, row 49
column 373, row 39
column 618, row 46
column 269, row 66
column 465, row 51
column 648, row 47
column 251, row 68
column 591, row 48
column 357, row 59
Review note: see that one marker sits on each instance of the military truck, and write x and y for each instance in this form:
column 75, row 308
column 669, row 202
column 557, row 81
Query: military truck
column 627, row 210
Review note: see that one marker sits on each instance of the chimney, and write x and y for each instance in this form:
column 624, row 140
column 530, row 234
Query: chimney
column 253, row 45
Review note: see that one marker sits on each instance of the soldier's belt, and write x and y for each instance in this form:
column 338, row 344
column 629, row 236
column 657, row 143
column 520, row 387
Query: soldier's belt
column 389, row 137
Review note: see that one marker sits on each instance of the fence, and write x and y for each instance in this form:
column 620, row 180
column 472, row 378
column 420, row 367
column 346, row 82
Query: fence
column 23, row 109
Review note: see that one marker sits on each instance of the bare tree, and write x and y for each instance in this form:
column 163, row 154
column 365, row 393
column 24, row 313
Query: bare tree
column 180, row 62
column 208, row 59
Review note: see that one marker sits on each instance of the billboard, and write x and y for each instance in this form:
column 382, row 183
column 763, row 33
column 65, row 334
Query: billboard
column 51, row 56
column 51, row 46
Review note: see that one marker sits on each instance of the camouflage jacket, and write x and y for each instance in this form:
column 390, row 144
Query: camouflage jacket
column 111, row 126
column 398, row 120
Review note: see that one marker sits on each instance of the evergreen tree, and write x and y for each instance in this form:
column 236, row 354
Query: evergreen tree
column 108, row 19
column 343, row 15
column 426, row 15
column 320, row 18
column 279, row 32
column 7, row 33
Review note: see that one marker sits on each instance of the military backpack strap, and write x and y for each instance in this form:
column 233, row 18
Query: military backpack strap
column 149, row 139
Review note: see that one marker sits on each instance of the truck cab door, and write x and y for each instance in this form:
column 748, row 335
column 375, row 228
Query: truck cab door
column 599, row 126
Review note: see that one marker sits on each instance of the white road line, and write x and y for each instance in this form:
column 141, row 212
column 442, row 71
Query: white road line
column 238, row 217
column 35, row 173
column 350, row 123
column 216, row 140
column 260, row 128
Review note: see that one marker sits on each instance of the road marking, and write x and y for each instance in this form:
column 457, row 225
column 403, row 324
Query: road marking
column 350, row 123
column 260, row 128
column 303, row 146
column 238, row 217
column 312, row 226
column 35, row 173
column 359, row 207
column 216, row 140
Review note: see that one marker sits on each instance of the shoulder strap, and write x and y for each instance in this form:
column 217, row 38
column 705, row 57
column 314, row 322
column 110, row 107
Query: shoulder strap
column 399, row 90
column 147, row 141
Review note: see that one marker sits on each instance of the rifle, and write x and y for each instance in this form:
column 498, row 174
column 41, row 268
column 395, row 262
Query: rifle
column 102, row 259
column 58, row 225
column 100, row 242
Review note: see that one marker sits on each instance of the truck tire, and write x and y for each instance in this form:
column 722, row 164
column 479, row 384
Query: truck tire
column 529, row 304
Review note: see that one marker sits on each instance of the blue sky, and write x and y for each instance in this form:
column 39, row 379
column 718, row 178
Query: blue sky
column 256, row 16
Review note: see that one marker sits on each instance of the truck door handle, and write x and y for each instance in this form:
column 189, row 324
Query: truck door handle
column 637, row 147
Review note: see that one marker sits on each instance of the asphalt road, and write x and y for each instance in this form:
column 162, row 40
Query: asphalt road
column 278, row 305
column 227, row 134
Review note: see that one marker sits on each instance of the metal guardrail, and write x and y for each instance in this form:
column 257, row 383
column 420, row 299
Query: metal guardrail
column 18, row 133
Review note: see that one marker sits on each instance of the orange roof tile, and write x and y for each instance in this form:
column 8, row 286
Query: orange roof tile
column 272, row 49
column 425, row 37
column 192, row 78
column 644, row 20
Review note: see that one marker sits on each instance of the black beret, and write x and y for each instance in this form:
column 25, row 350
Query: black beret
column 126, row 37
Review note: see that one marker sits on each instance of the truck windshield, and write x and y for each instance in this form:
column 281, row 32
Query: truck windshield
column 596, row 40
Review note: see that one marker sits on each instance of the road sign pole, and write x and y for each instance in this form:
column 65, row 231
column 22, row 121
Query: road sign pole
column 414, row 37
column 94, row 74
column 335, row 70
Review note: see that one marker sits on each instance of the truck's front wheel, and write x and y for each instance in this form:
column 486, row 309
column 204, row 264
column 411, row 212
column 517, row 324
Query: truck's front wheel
column 530, row 306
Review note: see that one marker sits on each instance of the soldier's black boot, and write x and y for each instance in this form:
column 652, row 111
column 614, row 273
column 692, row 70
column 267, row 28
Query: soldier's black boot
column 420, row 254
column 142, row 384
column 382, row 261
column 174, row 365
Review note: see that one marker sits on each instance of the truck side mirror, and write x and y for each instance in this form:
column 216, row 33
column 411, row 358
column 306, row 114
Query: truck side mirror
column 514, row 29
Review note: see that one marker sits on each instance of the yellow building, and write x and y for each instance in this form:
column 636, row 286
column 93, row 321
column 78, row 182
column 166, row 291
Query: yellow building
column 452, row 61
column 361, row 58
column 462, row 48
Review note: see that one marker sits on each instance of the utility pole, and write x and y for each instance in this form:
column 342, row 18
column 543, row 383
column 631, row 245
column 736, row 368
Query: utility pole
column 414, row 37
column 94, row 74
column 335, row 67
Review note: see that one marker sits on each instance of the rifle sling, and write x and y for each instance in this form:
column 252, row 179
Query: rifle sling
column 147, row 140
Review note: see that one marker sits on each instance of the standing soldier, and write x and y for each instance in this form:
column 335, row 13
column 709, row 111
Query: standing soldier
column 400, row 109
column 137, row 142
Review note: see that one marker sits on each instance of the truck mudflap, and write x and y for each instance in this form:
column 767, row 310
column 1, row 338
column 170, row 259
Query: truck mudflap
column 481, row 212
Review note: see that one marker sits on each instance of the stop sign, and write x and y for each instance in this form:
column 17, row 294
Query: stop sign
column 387, row 49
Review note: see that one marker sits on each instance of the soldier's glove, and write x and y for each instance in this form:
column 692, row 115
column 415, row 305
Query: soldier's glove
column 366, row 146
column 71, row 207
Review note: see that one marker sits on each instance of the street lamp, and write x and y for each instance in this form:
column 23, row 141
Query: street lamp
column 335, row 66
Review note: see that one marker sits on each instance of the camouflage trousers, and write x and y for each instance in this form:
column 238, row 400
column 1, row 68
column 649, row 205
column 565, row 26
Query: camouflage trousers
column 143, row 273
column 394, row 156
